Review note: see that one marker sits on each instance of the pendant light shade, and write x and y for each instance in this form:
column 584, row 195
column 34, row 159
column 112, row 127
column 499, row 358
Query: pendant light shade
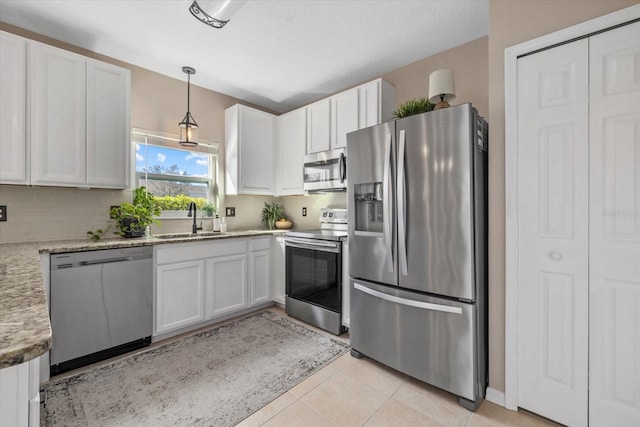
column 188, row 125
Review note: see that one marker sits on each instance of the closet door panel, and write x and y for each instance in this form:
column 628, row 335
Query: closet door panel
column 553, row 233
column 614, row 268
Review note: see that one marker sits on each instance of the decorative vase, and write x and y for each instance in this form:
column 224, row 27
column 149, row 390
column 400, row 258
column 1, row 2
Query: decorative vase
column 284, row 225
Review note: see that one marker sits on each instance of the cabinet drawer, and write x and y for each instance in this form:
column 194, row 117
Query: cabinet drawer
column 261, row 244
column 191, row 251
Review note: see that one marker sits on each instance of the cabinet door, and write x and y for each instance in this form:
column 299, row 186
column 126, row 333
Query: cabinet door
column 14, row 395
column 344, row 117
column 260, row 271
column 278, row 275
column 226, row 285
column 13, row 141
column 179, row 295
column 319, row 126
column 369, row 111
column 256, row 146
column 58, row 116
column 614, row 228
column 553, row 253
column 108, row 134
column 292, row 146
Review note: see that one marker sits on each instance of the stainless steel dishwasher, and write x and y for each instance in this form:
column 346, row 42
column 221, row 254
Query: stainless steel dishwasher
column 101, row 305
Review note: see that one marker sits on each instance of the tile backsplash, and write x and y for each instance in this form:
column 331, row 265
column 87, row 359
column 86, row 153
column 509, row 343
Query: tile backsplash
column 53, row 213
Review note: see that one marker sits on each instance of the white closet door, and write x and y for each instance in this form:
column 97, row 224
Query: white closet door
column 614, row 267
column 553, row 233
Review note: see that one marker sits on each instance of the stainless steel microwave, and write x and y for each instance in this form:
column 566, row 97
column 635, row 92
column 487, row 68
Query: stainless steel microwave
column 325, row 171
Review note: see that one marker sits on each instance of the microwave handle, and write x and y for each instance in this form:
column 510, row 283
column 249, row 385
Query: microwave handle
column 343, row 167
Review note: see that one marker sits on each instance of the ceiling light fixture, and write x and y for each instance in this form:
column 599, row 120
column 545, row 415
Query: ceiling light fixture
column 188, row 125
column 220, row 11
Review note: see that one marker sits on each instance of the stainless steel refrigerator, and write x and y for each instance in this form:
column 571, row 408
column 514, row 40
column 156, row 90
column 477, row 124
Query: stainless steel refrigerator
column 417, row 204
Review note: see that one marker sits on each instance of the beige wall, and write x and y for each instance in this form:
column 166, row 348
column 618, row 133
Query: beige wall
column 512, row 22
column 469, row 63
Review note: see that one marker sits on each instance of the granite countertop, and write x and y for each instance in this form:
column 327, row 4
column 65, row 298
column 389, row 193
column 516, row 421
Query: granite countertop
column 25, row 331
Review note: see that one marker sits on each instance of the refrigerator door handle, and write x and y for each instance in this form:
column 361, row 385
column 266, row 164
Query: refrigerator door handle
column 386, row 189
column 402, row 214
column 407, row 302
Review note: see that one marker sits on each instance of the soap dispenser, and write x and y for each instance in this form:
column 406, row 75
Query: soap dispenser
column 216, row 223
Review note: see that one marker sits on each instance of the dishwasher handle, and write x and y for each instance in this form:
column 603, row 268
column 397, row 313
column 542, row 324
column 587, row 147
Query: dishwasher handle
column 105, row 261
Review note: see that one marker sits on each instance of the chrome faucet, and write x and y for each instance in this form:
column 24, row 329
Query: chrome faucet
column 194, row 228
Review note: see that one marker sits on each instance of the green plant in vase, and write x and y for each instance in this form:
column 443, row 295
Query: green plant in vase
column 210, row 209
column 271, row 212
column 132, row 219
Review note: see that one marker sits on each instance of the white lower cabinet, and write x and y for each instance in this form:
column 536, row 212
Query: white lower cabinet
column 278, row 272
column 179, row 295
column 260, row 270
column 19, row 395
column 201, row 281
column 226, row 289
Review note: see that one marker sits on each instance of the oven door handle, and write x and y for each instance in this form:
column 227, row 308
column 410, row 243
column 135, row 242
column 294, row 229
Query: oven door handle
column 315, row 245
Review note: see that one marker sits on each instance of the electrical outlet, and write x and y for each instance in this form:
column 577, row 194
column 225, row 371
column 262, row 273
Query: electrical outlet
column 230, row 211
column 304, row 211
column 3, row 212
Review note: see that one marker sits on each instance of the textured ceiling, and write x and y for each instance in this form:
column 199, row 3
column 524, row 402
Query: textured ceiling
column 277, row 54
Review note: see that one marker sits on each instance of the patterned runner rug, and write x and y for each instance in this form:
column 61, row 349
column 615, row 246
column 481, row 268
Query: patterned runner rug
column 214, row 378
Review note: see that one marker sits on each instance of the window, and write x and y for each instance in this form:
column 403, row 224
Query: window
column 168, row 169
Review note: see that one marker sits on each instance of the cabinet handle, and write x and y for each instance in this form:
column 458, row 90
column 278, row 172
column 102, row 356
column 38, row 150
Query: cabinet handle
column 556, row 256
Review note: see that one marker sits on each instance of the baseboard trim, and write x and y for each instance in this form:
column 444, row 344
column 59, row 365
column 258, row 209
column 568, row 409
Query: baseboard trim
column 495, row 396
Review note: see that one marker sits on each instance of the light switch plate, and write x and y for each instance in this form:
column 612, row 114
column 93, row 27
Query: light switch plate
column 230, row 211
column 3, row 212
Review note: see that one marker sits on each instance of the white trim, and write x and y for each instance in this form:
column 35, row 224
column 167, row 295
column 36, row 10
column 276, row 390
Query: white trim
column 495, row 396
column 511, row 178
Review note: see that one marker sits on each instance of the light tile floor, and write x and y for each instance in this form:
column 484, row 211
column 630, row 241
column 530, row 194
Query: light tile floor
column 362, row 392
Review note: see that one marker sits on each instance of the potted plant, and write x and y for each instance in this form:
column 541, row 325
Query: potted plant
column 209, row 209
column 132, row 219
column 271, row 212
column 413, row 106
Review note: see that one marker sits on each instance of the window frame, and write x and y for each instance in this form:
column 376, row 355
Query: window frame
column 161, row 139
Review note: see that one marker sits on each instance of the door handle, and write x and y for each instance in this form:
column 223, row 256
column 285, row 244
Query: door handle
column 402, row 214
column 343, row 167
column 407, row 302
column 386, row 199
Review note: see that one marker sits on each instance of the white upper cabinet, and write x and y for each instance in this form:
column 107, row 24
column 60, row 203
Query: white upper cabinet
column 249, row 151
column 77, row 113
column 319, row 127
column 377, row 101
column 108, row 127
column 344, row 117
column 13, row 139
column 330, row 120
column 292, row 136
column 58, row 116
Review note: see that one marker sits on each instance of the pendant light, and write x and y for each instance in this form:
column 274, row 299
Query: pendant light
column 188, row 125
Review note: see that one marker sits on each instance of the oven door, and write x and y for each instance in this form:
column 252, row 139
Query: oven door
column 314, row 272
